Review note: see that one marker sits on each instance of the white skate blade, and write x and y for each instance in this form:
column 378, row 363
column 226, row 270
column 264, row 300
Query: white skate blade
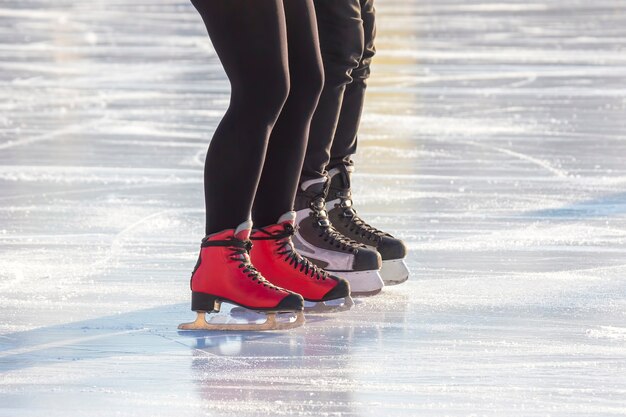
column 239, row 314
column 273, row 321
column 362, row 282
column 330, row 306
column 394, row 272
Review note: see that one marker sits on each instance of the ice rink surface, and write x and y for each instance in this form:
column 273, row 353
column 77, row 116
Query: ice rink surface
column 493, row 142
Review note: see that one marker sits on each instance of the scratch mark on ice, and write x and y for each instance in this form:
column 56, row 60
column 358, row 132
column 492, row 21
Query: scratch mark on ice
column 540, row 162
column 66, row 342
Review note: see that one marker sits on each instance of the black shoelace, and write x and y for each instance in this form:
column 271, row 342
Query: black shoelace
column 285, row 247
column 240, row 250
column 354, row 223
column 327, row 231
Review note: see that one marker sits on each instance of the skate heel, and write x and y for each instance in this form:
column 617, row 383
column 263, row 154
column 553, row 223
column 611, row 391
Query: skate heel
column 204, row 302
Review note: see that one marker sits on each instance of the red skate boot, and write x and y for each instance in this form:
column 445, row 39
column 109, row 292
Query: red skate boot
column 224, row 274
column 274, row 255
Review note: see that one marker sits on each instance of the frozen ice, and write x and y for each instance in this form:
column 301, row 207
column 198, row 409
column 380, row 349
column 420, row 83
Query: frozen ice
column 493, row 142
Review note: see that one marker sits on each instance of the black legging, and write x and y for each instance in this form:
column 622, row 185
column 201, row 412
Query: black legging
column 347, row 29
column 270, row 52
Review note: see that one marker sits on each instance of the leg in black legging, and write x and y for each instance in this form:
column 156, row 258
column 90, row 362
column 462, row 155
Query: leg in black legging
column 345, row 140
column 249, row 37
column 288, row 140
column 342, row 41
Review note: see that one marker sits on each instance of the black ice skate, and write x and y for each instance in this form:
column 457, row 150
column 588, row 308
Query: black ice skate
column 344, row 218
column 317, row 240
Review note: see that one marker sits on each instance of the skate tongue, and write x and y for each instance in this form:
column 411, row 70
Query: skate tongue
column 316, row 187
column 242, row 232
column 340, row 176
column 288, row 218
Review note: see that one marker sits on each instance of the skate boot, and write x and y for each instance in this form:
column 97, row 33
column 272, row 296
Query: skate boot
column 224, row 273
column 274, row 256
column 317, row 240
column 345, row 219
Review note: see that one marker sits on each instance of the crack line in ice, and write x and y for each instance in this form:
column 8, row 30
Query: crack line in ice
column 44, row 194
column 540, row 162
column 107, row 175
column 204, row 352
column 116, row 242
column 48, row 136
column 522, row 83
column 30, row 349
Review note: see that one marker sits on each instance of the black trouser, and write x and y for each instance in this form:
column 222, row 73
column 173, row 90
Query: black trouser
column 347, row 30
column 270, row 52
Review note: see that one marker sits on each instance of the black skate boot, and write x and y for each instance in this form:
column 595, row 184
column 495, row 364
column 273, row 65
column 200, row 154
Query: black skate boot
column 317, row 240
column 344, row 218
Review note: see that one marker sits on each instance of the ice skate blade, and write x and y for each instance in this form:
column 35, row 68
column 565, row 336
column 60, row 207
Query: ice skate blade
column 362, row 282
column 325, row 307
column 394, row 272
column 365, row 293
column 270, row 324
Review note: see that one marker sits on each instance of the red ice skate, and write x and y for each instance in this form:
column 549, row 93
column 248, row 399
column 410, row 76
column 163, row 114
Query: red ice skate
column 224, row 274
column 274, row 255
